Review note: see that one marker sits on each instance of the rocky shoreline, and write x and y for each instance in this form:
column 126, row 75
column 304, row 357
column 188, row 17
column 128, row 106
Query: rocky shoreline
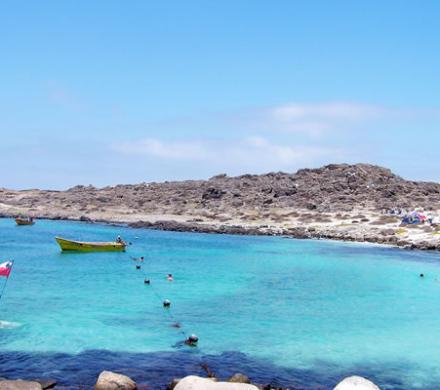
column 338, row 202
column 108, row 380
column 389, row 236
column 380, row 236
column 384, row 236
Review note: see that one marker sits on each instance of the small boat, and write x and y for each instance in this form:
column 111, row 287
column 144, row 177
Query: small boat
column 80, row 246
column 24, row 221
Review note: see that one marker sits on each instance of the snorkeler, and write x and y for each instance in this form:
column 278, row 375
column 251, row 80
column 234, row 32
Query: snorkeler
column 192, row 340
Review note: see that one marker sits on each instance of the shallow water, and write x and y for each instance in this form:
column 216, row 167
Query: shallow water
column 293, row 312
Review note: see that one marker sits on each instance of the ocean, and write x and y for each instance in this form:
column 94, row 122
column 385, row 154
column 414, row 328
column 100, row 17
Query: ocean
column 295, row 313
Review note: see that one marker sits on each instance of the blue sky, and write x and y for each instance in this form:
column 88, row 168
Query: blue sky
column 109, row 92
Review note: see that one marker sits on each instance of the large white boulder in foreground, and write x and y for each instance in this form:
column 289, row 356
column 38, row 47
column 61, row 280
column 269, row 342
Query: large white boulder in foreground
column 196, row 383
column 108, row 380
column 356, row 383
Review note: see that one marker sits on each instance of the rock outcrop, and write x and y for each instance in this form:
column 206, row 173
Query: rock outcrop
column 239, row 378
column 197, row 383
column 19, row 385
column 108, row 380
column 356, row 383
column 335, row 187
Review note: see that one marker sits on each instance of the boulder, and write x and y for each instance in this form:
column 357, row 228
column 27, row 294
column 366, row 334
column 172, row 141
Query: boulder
column 213, row 193
column 356, row 383
column 387, row 232
column 108, row 380
column 19, row 385
column 46, row 383
column 196, row 383
column 239, row 378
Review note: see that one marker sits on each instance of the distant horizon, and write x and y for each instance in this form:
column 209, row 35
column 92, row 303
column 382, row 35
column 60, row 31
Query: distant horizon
column 111, row 92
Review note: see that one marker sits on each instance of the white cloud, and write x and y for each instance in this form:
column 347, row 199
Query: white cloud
column 325, row 111
column 290, row 136
column 307, row 119
column 284, row 154
column 253, row 154
column 317, row 119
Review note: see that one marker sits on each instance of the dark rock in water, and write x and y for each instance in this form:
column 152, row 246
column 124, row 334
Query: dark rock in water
column 83, row 218
column 239, row 378
column 208, row 371
column 299, row 232
column 173, row 384
column 271, row 387
column 46, row 383
column 19, row 385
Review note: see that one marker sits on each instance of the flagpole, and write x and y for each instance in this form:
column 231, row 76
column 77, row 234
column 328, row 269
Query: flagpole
column 4, row 286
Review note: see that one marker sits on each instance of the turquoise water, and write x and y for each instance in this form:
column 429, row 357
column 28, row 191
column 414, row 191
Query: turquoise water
column 298, row 309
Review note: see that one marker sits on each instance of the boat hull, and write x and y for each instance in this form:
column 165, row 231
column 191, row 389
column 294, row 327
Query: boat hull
column 79, row 246
column 23, row 222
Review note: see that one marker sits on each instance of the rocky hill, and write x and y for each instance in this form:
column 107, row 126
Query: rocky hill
column 311, row 202
column 332, row 188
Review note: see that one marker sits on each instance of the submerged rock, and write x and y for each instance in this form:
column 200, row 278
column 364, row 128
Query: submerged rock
column 356, row 383
column 196, row 383
column 46, row 383
column 108, row 380
column 239, row 378
column 172, row 385
column 19, row 385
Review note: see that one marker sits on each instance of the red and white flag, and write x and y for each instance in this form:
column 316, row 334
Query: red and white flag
column 5, row 268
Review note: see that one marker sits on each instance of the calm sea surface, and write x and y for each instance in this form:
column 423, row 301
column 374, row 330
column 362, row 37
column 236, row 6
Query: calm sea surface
column 292, row 312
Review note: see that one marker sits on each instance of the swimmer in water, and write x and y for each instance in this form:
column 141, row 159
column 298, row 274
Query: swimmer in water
column 147, row 281
column 192, row 340
column 138, row 267
column 422, row 276
column 170, row 277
